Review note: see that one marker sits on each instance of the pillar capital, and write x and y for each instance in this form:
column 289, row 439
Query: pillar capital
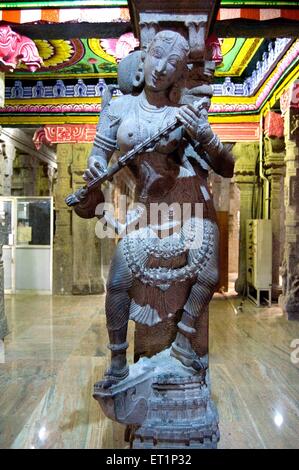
column 246, row 155
column 274, row 155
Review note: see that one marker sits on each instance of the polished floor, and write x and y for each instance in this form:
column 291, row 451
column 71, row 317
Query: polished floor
column 57, row 350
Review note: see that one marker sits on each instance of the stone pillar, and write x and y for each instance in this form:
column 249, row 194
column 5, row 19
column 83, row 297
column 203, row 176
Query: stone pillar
column 290, row 292
column 87, row 261
column 77, row 257
column 3, row 320
column 221, row 198
column 233, row 231
column 274, row 169
column 246, row 155
column 63, row 243
column 8, row 153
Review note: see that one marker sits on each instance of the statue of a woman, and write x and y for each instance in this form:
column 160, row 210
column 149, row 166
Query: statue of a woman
column 153, row 276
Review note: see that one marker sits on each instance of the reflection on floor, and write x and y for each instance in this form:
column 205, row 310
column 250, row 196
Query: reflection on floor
column 57, row 350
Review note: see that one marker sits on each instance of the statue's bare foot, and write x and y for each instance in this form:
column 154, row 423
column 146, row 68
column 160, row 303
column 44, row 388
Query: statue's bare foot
column 112, row 377
column 187, row 358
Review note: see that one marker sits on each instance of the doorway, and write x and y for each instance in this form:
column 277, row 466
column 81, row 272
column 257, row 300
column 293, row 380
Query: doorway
column 27, row 238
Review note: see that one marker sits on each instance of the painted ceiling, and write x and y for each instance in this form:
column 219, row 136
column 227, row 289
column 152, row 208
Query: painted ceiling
column 87, row 58
column 102, row 3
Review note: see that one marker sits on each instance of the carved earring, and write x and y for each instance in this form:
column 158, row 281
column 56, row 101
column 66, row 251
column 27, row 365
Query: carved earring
column 139, row 77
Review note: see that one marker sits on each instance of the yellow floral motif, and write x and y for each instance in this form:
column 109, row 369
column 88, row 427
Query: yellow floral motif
column 97, row 49
column 45, row 49
column 54, row 51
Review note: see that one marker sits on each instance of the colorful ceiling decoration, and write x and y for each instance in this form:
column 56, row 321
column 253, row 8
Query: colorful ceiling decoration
column 83, row 108
column 237, row 53
column 76, row 11
column 64, row 15
column 87, row 58
column 87, row 3
column 259, row 14
column 76, row 133
column 9, row 4
column 81, row 57
column 60, row 3
column 68, row 86
column 16, row 49
column 121, row 47
column 59, row 53
column 259, row 3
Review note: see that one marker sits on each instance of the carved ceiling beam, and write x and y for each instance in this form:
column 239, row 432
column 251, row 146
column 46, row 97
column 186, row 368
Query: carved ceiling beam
column 78, row 133
column 194, row 19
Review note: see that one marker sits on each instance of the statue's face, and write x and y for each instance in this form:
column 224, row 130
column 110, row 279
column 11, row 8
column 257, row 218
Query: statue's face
column 163, row 65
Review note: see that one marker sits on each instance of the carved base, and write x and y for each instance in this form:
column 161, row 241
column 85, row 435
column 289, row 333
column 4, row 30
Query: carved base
column 166, row 404
column 3, row 327
column 276, row 292
column 240, row 285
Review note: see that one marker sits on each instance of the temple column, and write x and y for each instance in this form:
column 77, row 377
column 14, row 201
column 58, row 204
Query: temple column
column 290, row 272
column 87, row 260
column 7, row 156
column 274, row 170
column 3, row 320
column 63, row 242
column 246, row 155
column 77, row 257
column 3, row 187
column 221, row 199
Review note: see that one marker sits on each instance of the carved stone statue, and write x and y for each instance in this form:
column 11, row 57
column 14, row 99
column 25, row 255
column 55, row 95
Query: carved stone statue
column 165, row 265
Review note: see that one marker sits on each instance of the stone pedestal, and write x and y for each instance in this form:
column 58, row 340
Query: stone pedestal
column 165, row 405
column 246, row 155
column 290, row 295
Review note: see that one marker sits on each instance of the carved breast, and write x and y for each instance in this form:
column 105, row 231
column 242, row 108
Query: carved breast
column 140, row 122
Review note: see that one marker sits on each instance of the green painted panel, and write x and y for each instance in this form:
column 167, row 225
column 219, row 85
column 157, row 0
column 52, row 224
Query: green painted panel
column 230, row 57
column 259, row 3
column 116, row 3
